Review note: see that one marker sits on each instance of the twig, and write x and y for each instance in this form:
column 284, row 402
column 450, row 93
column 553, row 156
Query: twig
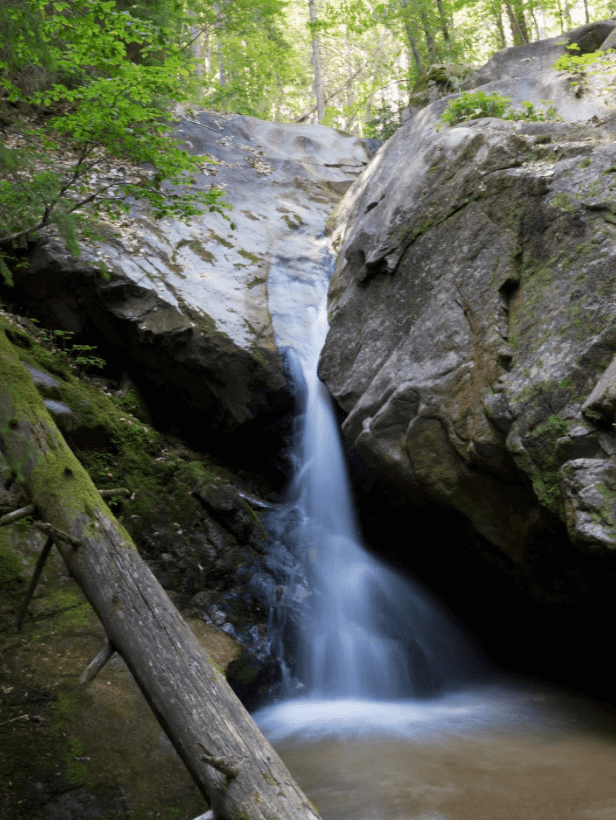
column 226, row 767
column 24, row 512
column 35, row 577
column 56, row 533
column 95, row 665
column 20, row 717
column 112, row 493
column 17, row 515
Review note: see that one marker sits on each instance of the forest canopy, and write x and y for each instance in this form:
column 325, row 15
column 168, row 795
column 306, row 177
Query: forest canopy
column 94, row 81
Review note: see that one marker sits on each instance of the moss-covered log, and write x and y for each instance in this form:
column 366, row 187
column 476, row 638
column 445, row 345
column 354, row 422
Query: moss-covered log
column 234, row 766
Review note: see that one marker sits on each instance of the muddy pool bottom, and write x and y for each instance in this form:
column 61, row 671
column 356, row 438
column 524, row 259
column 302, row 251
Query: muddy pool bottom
column 507, row 752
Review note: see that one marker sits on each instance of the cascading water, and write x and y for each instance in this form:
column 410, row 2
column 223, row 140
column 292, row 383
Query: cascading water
column 358, row 629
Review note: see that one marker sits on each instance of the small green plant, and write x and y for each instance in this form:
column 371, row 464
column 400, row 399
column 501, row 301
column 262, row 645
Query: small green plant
column 476, row 105
column 578, row 64
column 76, row 355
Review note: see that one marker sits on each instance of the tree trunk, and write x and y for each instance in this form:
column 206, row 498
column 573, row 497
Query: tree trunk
column 378, row 59
column 498, row 18
column 540, row 22
column 425, row 23
column 517, row 21
column 411, row 37
column 316, row 65
column 195, row 34
column 234, row 766
column 222, row 77
column 444, row 27
column 414, row 49
column 350, row 94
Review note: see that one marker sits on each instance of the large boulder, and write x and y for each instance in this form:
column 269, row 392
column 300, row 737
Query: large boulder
column 185, row 305
column 473, row 313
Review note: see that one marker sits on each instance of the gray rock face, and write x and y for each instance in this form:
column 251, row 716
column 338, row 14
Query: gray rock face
column 186, row 305
column 473, row 312
column 538, row 58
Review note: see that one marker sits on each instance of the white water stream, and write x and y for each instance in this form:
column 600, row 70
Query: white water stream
column 367, row 634
column 380, row 717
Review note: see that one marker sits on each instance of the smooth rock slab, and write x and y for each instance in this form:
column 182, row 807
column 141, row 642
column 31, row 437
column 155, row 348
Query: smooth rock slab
column 186, row 306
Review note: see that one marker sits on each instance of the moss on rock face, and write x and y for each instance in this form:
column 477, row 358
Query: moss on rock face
column 11, row 568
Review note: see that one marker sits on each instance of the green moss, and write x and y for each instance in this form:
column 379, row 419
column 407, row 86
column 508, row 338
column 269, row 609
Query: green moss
column 11, row 566
column 251, row 256
column 314, row 808
column 217, row 666
column 64, row 707
column 332, row 219
column 197, row 248
column 221, row 240
column 586, row 248
column 293, row 224
column 206, row 255
column 563, row 202
column 257, row 355
column 585, row 163
column 114, row 442
column 63, row 489
column 256, row 281
column 76, row 773
column 543, row 467
column 132, row 403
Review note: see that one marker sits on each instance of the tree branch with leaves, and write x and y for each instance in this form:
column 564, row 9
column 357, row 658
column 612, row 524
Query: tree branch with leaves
column 90, row 108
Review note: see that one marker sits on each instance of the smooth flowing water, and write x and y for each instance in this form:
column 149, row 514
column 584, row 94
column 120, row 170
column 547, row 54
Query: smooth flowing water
column 380, row 717
column 366, row 632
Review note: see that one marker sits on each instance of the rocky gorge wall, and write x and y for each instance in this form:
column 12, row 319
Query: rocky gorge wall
column 473, row 329
column 475, row 280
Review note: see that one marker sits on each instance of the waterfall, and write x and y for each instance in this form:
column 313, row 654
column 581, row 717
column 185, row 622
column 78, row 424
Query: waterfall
column 356, row 629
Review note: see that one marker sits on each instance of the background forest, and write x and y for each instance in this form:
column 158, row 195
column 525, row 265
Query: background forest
column 84, row 83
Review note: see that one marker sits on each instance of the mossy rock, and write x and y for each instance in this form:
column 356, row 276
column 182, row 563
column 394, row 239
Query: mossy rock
column 12, row 569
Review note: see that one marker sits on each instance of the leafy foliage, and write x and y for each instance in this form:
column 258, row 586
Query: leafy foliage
column 383, row 123
column 574, row 61
column 577, row 65
column 69, row 61
column 477, row 104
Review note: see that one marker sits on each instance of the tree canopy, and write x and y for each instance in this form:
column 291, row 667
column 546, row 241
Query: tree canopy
column 95, row 81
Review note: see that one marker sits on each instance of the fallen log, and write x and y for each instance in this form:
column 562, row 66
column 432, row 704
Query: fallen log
column 234, row 766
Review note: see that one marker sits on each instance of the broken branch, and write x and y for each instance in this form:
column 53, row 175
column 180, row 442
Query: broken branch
column 95, row 665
